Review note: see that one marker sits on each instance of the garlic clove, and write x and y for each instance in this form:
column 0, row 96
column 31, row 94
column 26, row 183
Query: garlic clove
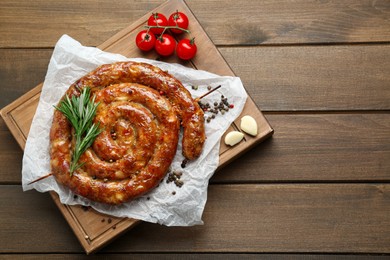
column 249, row 125
column 233, row 138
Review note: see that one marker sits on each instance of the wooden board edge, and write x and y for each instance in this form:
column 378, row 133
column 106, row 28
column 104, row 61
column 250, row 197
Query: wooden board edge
column 246, row 146
column 13, row 127
column 6, row 114
column 117, row 230
column 92, row 245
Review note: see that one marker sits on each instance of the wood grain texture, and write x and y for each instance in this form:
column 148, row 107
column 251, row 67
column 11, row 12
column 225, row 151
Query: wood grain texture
column 10, row 157
column 20, row 71
column 202, row 256
column 18, row 116
column 286, row 218
column 41, row 23
column 305, row 147
column 293, row 22
column 318, row 189
column 277, row 78
column 44, row 220
column 354, row 77
column 317, row 147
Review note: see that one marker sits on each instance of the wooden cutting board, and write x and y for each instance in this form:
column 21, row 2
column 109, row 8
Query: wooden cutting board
column 92, row 228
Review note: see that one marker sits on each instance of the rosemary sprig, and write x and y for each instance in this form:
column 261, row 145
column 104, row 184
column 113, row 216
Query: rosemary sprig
column 80, row 111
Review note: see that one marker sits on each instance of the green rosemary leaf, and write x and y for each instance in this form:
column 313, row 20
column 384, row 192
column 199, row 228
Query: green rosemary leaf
column 92, row 133
column 80, row 111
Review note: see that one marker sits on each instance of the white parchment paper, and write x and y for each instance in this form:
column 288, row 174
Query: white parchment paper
column 69, row 62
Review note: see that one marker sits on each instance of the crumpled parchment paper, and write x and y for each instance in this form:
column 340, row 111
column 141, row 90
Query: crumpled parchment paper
column 69, row 62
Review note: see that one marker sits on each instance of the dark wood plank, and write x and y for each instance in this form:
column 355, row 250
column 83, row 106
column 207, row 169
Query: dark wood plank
column 238, row 218
column 279, row 22
column 41, row 23
column 30, row 67
column 317, row 147
column 314, row 77
column 277, row 78
column 22, row 107
column 285, row 76
column 28, row 216
column 203, row 256
column 20, row 71
column 10, row 157
column 305, row 147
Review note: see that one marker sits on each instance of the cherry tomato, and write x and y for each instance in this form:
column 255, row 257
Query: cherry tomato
column 145, row 40
column 157, row 19
column 165, row 45
column 178, row 19
column 186, row 49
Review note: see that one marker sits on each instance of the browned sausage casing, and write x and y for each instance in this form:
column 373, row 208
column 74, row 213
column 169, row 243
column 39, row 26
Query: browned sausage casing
column 140, row 132
column 189, row 111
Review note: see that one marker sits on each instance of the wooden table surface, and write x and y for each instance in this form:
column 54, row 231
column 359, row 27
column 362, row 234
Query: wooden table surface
column 319, row 71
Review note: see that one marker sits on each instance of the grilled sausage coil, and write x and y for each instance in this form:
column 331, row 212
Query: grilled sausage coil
column 140, row 111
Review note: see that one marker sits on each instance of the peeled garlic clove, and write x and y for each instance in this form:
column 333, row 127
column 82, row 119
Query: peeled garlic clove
column 233, row 138
column 249, row 125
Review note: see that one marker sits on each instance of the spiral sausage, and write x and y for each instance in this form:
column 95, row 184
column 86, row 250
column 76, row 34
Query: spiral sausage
column 188, row 110
column 140, row 132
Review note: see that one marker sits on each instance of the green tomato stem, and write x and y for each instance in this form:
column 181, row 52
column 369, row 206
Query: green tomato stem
column 167, row 27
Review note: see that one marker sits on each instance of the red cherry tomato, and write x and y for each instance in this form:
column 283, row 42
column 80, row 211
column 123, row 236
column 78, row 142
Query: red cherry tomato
column 145, row 40
column 186, row 49
column 165, row 45
column 178, row 19
column 157, row 19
